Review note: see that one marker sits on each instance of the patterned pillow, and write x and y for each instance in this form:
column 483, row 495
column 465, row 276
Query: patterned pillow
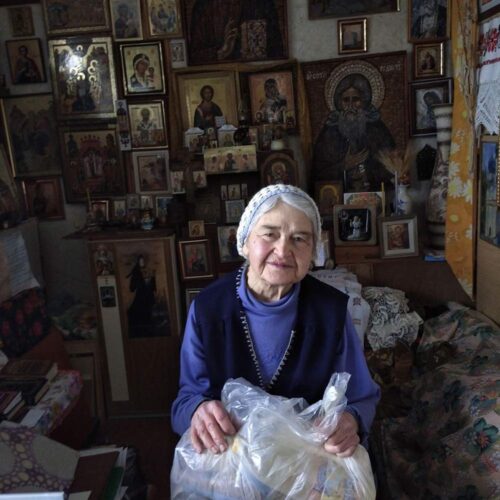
column 31, row 462
column 23, row 322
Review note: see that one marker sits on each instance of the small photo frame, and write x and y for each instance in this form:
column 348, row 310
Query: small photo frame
column 327, row 194
column 133, row 201
column 99, row 210
column 21, row 21
column 161, row 205
column 352, row 35
column 423, row 96
column 234, row 210
column 194, row 140
column 398, row 236
column 196, row 228
column 227, row 160
column 234, row 192
column 151, row 171
column 428, row 60
column 225, row 138
column 428, row 20
column 226, row 238
column 253, row 136
column 119, row 209
column 26, row 61
column 191, row 294
column 354, row 225
column 126, row 19
column 178, row 53
column 199, row 179
column 195, row 259
column 164, row 18
column 142, row 65
column 147, row 125
column 279, row 168
column 44, row 198
column 178, row 182
column 146, row 201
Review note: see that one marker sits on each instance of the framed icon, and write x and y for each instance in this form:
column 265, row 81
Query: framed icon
column 126, row 19
column 195, row 257
column 428, row 60
column 147, row 124
column 354, row 225
column 44, row 198
column 151, row 171
column 25, row 61
column 142, row 65
column 398, row 236
column 164, row 18
column 352, row 35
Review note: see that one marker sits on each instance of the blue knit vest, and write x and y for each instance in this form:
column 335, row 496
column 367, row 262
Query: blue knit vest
column 310, row 359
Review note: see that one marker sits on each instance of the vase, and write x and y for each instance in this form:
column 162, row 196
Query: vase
column 404, row 204
column 438, row 191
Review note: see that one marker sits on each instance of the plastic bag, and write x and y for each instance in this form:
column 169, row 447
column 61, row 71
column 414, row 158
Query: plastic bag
column 277, row 452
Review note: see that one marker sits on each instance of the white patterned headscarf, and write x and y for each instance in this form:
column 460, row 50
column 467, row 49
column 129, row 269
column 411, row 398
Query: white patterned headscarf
column 264, row 200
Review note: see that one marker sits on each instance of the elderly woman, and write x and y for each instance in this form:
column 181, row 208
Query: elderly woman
column 274, row 325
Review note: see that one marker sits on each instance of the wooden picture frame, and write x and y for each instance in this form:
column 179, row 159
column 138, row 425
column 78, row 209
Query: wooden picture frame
column 151, row 172
column 164, row 18
column 423, row 95
column 217, row 88
column 234, row 210
column 64, row 17
column 143, row 70
column 226, row 244
column 488, row 206
column 99, row 210
column 178, row 53
column 44, row 198
column 428, row 60
column 39, row 156
column 272, row 98
column 25, row 61
column 488, row 9
column 352, row 35
column 196, row 259
column 279, row 168
column 21, row 21
column 428, row 20
column 92, row 163
column 78, row 92
column 326, row 195
column 147, row 125
column 146, row 201
column 379, row 83
column 261, row 29
column 119, row 209
column 230, row 160
column 354, row 225
column 330, row 8
column 398, row 236
column 126, row 19
column 191, row 294
column 177, row 181
column 196, row 228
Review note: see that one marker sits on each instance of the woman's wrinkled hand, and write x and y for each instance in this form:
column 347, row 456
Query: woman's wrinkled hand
column 344, row 440
column 209, row 424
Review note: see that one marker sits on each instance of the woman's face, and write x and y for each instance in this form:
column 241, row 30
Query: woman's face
column 279, row 249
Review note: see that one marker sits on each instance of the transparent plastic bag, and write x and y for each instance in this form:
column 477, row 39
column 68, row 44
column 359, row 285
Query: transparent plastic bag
column 277, row 452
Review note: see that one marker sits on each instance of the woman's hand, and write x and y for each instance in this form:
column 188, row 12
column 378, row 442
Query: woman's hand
column 345, row 439
column 209, row 423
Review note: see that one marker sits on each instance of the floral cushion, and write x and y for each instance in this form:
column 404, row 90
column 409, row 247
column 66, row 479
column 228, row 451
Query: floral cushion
column 447, row 446
column 23, row 322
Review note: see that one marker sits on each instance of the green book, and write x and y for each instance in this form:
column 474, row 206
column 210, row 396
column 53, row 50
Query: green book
column 113, row 484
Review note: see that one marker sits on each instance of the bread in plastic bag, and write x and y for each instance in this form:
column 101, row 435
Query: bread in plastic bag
column 277, row 452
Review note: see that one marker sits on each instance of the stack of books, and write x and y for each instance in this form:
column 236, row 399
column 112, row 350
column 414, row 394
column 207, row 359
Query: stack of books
column 28, row 380
column 10, row 403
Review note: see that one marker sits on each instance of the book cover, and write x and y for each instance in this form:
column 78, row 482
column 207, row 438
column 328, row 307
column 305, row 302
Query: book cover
column 29, row 368
column 32, row 389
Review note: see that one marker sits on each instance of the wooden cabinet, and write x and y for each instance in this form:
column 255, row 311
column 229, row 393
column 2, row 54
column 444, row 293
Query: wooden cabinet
column 137, row 294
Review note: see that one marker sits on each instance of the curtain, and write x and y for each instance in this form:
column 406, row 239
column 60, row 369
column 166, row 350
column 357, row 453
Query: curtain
column 460, row 234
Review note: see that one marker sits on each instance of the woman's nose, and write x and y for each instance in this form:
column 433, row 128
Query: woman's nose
column 282, row 246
